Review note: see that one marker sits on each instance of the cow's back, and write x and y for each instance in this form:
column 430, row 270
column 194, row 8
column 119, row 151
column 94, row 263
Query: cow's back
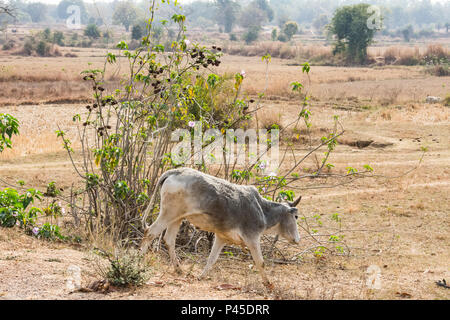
column 227, row 206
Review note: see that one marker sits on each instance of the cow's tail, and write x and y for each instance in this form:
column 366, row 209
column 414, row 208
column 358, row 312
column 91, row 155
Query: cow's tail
column 160, row 182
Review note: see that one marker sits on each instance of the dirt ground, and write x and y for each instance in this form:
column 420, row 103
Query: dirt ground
column 396, row 224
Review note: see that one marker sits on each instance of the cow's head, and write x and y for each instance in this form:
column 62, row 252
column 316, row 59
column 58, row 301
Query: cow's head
column 288, row 223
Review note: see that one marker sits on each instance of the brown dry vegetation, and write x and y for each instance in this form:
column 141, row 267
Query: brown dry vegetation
column 400, row 223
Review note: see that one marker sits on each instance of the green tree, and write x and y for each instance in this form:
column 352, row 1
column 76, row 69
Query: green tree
column 252, row 16
column 137, row 32
column 252, row 34
column 350, row 26
column 320, row 22
column 92, row 31
column 37, row 11
column 125, row 14
column 265, row 6
column 407, row 33
column 290, row 28
column 227, row 13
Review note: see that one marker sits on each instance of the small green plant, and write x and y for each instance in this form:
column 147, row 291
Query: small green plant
column 48, row 231
column 9, row 126
column 13, row 208
column 52, row 190
column 127, row 268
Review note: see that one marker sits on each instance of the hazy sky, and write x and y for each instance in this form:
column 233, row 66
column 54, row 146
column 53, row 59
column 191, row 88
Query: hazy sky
column 180, row 1
column 58, row 1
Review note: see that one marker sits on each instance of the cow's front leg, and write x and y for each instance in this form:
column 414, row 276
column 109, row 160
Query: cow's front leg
column 215, row 252
column 169, row 238
column 255, row 249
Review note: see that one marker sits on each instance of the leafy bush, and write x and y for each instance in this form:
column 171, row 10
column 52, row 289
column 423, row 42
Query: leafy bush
column 13, row 208
column 92, row 31
column 52, row 190
column 9, row 126
column 43, row 48
column 58, row 38
column 166, row 97
column 48, row 231
column 251, row 35
column 137, row 32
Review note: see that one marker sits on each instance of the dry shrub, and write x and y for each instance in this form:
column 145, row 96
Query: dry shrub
column 437, row 51
column 447, row 100
column 287, row 52
column 269, row 119
column 390, row 97
column 409, row 57
column 402, row 56
column 439, row 71
column 275, row 49
column 390, row 55
column 126, row 268
column 386, row 115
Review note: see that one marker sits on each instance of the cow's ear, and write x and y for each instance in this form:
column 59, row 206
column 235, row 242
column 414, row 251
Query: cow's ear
column 295, row 203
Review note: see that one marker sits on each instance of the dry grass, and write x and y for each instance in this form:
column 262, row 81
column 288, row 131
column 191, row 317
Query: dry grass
column 322, row 54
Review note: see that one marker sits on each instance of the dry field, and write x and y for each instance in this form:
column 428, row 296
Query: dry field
column 399, row 223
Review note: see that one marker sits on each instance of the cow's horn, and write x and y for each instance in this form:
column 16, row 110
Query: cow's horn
column 295, row 203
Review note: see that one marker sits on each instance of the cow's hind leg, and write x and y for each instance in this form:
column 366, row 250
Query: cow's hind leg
column 169, row 238
column 215, row 252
